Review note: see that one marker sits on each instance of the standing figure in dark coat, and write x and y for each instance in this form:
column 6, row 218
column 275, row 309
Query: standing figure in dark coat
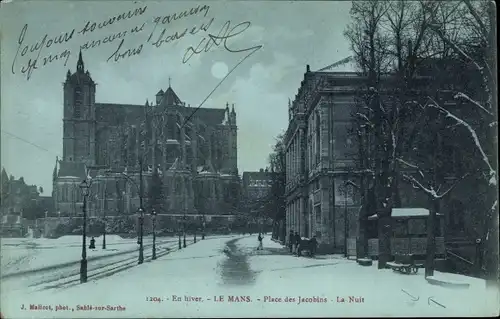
column 92, row 243
column 291, row 239
column 296, row 243
column 313, row 245
column 260, row 242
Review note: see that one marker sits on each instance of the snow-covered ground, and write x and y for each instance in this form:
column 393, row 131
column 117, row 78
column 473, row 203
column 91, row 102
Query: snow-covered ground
column 219, row 275
column 24, row 254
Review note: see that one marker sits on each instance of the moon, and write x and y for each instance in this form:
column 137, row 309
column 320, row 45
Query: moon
column 219, row 70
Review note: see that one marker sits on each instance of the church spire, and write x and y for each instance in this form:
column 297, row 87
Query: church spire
column 232, row 109
column 79, row 64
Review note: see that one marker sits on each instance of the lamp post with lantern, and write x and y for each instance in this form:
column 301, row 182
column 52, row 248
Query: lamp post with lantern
column 153, row 216
column 184, row 241
column 84, row 186
column 203, row 227
column 179, row 232
column 141, row 235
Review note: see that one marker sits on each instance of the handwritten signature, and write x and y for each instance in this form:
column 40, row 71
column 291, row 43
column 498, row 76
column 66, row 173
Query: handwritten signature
column 222, row 38
column 210, row 41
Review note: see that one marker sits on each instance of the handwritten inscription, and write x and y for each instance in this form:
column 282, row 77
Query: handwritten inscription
column 37, row 48
column 92, row 26
column 160, row 31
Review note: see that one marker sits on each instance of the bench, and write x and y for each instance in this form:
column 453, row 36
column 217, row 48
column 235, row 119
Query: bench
column 404, row 264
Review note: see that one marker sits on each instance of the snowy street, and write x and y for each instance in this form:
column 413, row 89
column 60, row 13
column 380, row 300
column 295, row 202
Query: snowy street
column 227, row 276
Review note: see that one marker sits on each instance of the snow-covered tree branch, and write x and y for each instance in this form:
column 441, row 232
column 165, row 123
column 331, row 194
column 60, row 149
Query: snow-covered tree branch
column 492, row 172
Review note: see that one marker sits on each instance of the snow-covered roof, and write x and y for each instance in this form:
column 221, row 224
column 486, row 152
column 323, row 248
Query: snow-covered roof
column 408, row 212
column 170, row 141
column 405, row 212
column 69, row 177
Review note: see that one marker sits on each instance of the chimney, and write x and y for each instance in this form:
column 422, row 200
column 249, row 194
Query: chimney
column 308, row 68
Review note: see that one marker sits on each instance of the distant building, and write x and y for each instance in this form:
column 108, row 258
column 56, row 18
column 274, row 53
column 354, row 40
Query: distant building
column 13, row 225
column 16, row 194
column 256, row 185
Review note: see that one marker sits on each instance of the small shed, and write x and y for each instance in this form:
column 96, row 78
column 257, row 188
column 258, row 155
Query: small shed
column 409, row 232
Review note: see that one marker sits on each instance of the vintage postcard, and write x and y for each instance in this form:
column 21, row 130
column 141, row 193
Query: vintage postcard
column 175, row 159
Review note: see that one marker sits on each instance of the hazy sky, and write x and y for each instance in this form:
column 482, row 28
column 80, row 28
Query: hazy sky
column 292, row 34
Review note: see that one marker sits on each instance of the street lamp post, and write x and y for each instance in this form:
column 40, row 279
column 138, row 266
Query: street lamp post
column 184, row 244
column 104, row 207
column 195, row 235
column 141, row 229
column 104, row 235
column 84, row 186
column 203, row 228
column 153, row 216
column 180, row 244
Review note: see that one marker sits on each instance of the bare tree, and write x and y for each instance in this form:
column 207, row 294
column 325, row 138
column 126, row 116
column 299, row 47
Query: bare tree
column 477, row 47
column 276, row 202
column 399, row 37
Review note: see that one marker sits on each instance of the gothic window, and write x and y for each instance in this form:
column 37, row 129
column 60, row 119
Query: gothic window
column 78, row 102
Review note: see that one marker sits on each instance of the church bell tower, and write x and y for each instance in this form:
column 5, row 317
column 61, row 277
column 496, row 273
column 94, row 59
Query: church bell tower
column 79, row 122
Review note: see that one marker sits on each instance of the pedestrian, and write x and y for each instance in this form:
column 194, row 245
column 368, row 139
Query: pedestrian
column 290, row 241
column 313, row 245
column 92, row 243
column 260, row 242
column 296, row 242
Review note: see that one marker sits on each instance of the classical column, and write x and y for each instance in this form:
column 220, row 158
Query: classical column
column 287, row 164
column 324, row 142
column 302, row 216
column 297, row 158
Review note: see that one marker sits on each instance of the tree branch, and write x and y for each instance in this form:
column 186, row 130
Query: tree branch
column 453, row 186
column 493, row 173
column 464, row 96
column 455, row 47
column 478, row 19
column 429, row 191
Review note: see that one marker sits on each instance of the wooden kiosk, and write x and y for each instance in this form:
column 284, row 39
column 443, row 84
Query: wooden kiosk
column 409, row 236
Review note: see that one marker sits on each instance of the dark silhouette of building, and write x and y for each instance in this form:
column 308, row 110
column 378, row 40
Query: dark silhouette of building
column 194, row 153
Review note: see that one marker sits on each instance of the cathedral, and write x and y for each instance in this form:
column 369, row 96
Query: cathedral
column 123, row 149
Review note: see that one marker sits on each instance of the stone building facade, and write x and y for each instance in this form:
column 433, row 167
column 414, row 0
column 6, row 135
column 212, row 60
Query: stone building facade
column 194, row 151
column 319, row 155
column 321, row 159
